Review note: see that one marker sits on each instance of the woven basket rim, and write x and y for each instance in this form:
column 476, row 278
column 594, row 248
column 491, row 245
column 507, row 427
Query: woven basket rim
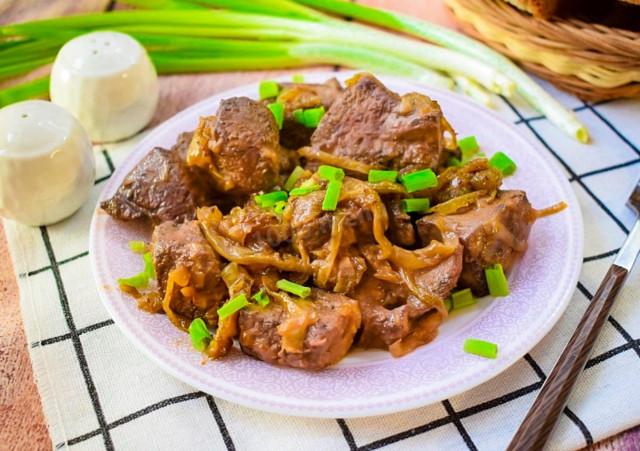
column 592, row 61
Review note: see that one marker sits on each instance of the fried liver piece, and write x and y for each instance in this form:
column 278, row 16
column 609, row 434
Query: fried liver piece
column 392, row 316
column 161, row 188
column 239, row 147
column 303, row 96
column 495, row 231
column 311, row 334
column 184, row 246
column 373, row 125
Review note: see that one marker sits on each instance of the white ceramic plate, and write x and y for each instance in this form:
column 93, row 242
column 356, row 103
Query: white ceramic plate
column 368, row 382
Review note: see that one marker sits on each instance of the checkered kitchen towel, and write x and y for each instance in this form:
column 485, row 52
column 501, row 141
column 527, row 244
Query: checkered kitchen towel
column 99, row 391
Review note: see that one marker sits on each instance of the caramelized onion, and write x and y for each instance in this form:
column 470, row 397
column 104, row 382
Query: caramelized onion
column 232, row 251
column 238, row 281
column 178, row 276
column 552, row 210
column 334, row 160
column 300, row 315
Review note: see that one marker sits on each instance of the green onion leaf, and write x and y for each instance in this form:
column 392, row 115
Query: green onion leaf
column 148, row 266
column 332, row 196
column 279, row 207
column 297, row 78
column 270, row 199
column 298, row 115
column 502, row 162
column 138, row 281
column 468, row 145
column 481, row 348
column 312, row 116
column 376, row 175
column 141, row 280
column 268, row 89
column 461, row 299
column 454, row 162
column 496, row 280
column 415, row 205
column 262, row 298
column 138, row 247
column 277, row 109
column 294, row 288
column 419, row 180
column 234, row 305
column 293, row 177
column 304, row 190
column 330, row 173
column 199, row 333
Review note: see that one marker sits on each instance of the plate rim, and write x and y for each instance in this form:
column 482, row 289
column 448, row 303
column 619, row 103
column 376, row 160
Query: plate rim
column 319, row 409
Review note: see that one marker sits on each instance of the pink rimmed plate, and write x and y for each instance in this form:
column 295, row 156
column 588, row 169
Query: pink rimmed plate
column 368, row 383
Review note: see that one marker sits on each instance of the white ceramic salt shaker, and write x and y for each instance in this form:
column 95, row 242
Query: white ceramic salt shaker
column 107, row 81
column 46, row 163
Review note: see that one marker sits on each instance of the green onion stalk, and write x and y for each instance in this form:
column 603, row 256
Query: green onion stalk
column 331, row 31
column 526, row 86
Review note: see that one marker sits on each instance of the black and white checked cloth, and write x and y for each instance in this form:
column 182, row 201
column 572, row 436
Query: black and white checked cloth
column 98, row 391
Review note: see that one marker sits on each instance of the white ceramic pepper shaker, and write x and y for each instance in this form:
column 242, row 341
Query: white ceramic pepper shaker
column 107, row 81
column 46, row 163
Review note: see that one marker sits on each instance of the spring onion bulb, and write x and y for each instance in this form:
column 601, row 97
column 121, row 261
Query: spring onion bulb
column 533, row 93
column 473, row 90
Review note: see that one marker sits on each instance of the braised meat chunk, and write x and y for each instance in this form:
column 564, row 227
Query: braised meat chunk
column 161, row 188
column 302, row 96
column 494, row 231
column 239, row 147
column 307, row 333
column 373, row 125
column 393, row 317
column 189, row 269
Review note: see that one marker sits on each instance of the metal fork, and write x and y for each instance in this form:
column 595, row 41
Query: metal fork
column 549, row 404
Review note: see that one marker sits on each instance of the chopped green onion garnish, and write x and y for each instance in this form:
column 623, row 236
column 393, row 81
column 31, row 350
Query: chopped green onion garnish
column 148, row 266
column 279, row 207
column 277, row 109
column 235, row 304
column 298, row 115
column 415, row 205
column 481, row 155
column 294, row 288
column 481, row 348
column 303, row 190
column 468, row 145
column 293, row 178
column 297, row 78
column 461, row 299
column 332, row 195
column 141, row 280
column 448, row 304
column 268, row 89
column 199, row 333
column 270, row 199
column 262, row 298
column 502, row 162
column 330, row 173
column 496, row 280
column 453, row 161
column 138, row 281
column 419, row 180
column 138, row 247
column 312, row 116
column 376, row 175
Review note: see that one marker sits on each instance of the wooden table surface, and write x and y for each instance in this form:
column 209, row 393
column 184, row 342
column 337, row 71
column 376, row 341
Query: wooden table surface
column 22, row 423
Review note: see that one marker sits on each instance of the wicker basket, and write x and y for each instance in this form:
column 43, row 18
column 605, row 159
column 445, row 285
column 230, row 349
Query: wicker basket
column 591, row 61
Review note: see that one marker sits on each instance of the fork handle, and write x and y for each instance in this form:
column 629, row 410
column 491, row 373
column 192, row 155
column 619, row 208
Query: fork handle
column 549, row 404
